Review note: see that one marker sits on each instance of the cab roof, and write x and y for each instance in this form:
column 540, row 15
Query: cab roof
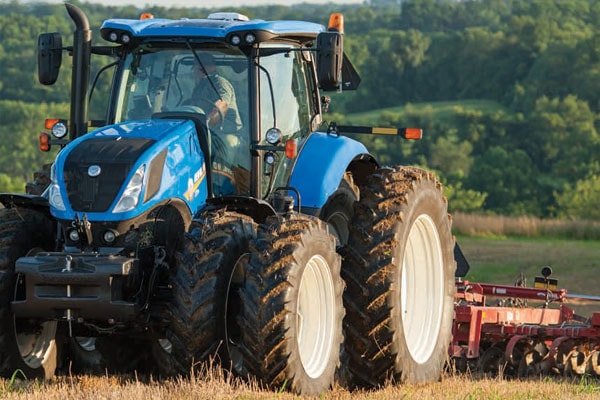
column 217, row 26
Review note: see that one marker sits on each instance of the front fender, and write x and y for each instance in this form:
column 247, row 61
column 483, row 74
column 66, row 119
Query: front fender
column 35, row 202
column 321, row 165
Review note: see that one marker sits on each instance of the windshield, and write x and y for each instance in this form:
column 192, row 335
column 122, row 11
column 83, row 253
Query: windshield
column 213, row 80
column 157, row 79
column 210, row 80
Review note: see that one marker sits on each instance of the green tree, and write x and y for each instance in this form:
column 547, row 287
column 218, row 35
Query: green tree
column 463, row 200
column 581, row 199
column 9, row 184
column 562, row 139
column 20, row 126
column 508, row 178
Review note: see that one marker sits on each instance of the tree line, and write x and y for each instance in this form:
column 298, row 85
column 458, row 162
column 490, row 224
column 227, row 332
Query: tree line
column 520, row 136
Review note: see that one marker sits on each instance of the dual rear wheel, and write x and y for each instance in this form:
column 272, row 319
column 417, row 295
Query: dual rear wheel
column 281, row 320
column 399, row 271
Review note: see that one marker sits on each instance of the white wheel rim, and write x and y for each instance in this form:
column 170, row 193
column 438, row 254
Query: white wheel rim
column 166, row 345
column 86, row 343
column 315, row 316
column 422, row 295
column 36, row 348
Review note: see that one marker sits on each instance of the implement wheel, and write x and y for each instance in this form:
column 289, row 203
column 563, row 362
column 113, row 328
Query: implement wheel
column 290, row 321
column 399, row 270
column 26, row 345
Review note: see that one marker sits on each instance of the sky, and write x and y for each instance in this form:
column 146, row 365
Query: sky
column 199, row 3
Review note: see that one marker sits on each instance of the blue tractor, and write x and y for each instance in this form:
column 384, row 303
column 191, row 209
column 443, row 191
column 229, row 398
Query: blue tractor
column 239, row 228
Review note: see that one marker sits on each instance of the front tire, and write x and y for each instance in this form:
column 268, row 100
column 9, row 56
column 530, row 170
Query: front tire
column 26, row 345
column 399, row 268
column 200, row 284
column 291, row 306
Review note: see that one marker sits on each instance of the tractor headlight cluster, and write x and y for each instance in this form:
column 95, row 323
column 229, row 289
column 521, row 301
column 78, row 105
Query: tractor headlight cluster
column 108, row 236
column 54, row 196
column 243, row 38
column 59, row 130
column 118, row 37
column 273, row 136
column 131, row 196
column 58, row 127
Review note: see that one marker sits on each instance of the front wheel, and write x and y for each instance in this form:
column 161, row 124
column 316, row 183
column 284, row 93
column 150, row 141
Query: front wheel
column 25, row 344
column 290, row 321
column 200, row 282
column 399, row 268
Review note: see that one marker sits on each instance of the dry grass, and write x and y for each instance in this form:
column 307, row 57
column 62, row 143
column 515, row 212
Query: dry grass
column 496, row 259
column 500, row 226
column 214, row 385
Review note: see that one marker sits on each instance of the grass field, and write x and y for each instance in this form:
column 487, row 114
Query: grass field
column 576, row 264
column 214, row 385
column 498, row 260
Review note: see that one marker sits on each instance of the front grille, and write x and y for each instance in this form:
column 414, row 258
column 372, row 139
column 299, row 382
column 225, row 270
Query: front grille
column 115, row 158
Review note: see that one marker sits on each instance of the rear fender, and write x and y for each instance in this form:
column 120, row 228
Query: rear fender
column 321, row 165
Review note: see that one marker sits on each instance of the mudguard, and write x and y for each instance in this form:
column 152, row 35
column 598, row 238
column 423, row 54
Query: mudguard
column 321, row 165
column 10, row 200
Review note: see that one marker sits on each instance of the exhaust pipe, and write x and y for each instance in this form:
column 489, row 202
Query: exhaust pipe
column 80, row 77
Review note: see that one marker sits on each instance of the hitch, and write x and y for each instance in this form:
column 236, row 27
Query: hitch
column 84, row 227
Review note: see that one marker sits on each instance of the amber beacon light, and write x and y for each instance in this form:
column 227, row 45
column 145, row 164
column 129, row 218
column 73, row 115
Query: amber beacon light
column 336, row 23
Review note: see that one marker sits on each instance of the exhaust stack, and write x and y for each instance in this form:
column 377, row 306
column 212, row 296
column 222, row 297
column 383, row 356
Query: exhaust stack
column 82, row 47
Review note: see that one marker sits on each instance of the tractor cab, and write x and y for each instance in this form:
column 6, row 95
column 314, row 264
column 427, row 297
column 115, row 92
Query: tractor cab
column 260, row 100
column 158, row 81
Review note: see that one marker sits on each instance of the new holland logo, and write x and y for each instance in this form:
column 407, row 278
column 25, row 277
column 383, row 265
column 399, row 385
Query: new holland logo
column 94, row 170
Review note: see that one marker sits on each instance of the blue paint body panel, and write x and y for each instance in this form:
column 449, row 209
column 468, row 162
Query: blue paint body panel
column 183, row 172
column 209, row 28
column 321, row 165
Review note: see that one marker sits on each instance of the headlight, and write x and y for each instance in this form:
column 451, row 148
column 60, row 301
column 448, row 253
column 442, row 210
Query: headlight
column 54, row 195
column 131, row 196
column 74, row 235
column 250, row 38
column 59, row 130
column 109, row 236
column 55, row 198
column 273, row 136
column 236, row 40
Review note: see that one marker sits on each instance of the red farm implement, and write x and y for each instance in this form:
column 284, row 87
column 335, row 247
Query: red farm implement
column 516, row 338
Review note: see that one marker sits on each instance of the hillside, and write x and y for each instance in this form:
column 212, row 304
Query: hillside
column 506, row 92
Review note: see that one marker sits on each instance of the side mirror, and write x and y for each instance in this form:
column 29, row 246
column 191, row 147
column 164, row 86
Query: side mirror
column 330, row 54
column 49, row 57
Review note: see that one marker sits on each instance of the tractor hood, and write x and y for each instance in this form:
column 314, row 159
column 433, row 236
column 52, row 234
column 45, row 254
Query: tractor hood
column 122, row 171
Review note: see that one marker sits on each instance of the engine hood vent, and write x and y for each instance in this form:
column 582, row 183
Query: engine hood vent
column 97, row 168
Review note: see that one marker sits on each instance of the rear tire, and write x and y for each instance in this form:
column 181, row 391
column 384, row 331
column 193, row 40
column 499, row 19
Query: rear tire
column 399, row 270
column 291, row 306
column 200, row 281
column 41, row 180
column 339, row 209
column 26, row 345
